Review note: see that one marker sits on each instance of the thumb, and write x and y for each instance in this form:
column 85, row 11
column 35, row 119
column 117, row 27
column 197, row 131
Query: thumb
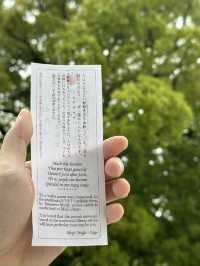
column 18, row 137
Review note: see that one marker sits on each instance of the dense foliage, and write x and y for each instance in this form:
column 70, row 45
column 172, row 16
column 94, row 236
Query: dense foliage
column 150, row 56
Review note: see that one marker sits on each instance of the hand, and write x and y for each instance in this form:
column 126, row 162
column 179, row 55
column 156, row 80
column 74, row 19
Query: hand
column 17, row 195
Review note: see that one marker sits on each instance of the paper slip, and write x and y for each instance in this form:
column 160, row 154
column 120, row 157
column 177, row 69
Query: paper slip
column 67, row 156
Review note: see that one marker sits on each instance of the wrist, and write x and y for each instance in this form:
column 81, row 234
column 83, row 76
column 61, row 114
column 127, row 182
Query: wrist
column 11, row 256
column 9, row 260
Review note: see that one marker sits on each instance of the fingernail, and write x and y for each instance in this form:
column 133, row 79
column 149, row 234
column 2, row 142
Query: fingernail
column 115, row 188
column 115, row 211
column 119, row 189
column 120, row 169
column 21, row 113
column 121, row 166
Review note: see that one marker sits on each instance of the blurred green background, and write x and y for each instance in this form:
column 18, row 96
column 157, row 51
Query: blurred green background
column 150, row 56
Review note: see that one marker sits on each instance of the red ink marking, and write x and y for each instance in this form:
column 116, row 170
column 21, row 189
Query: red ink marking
column 73, row 79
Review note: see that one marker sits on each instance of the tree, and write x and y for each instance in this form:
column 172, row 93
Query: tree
column 149, row 52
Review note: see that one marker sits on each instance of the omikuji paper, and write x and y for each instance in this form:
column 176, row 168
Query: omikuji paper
column 67, row 156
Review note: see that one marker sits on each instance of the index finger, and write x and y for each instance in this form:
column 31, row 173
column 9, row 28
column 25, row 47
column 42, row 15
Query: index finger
column 111, row 147
column 114, row 145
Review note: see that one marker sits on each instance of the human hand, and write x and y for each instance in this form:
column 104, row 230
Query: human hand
column 17, row 195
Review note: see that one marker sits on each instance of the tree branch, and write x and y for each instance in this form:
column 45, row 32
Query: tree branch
column 63, row 9
column 187, row 11
column 12, row 34
column 180, row 66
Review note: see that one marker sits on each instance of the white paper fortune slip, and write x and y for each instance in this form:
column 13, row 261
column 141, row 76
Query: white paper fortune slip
column 67, row 156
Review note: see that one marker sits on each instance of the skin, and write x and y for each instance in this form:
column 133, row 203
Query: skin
column 17, row 195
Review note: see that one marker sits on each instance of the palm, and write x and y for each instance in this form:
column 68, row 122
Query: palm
column 16, row 199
